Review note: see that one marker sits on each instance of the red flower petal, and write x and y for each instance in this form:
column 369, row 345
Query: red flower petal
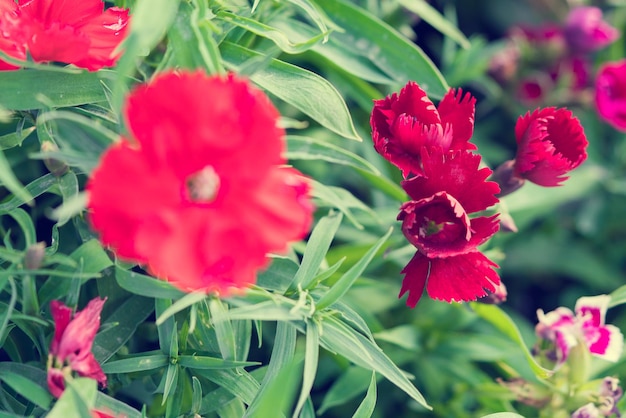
column 461, row 278
column 415, row 276
column 551, row 142
column 11, row 34
column 457, row 174
column 457, row 110
column 79, row 334
column 61, row 315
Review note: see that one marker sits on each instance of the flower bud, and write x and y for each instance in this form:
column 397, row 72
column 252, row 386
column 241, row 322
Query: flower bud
column 56, row 167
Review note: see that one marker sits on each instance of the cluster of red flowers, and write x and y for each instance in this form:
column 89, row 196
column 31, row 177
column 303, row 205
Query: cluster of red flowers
column 73, row 32
column 199, row 192
column 446, row 185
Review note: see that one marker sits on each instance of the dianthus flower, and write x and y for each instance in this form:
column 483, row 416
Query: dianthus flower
column 550, row 143
column 566, row 329
column 70, row 349
column 404, row 123
column 436, row 221
column 198, row 192
column 611, row 93
column 586, row 31
column 78, row 32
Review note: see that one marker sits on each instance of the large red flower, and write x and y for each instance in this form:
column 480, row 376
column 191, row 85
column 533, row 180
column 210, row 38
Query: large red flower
column 70, row 349
column 78, row 32
column 198, row 193
column 404, row 123
column 611, row 93
column 550, row 143
column 436, row 221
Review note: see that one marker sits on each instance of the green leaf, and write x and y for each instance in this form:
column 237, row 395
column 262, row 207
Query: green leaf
column 204, row 362
column 68, row 186
column 136, row 364
column 238, row 382
column 266, row 31
column 351, row 383
column 8, row 180
column 25, row 222
column 431, row 16
column 182, row 303
column 398, row 57
column 503, row 415
column 349, row 277
column 498, row 318
column 347, row 342
column 27, row 388
column 171, row 379
column 316, row 249
column 34, row 189
column 337, row 198
column 278, row 275
column 306, row 91
column 115, row 407
column 223, row 329
column 77, row 399
column 29, row 89
column 15, row 138
column 147, row 286
column 618, row 296
column 366, row 408
column 311, row 356
column 309, row 148
column 120, row 326
column 266, row 311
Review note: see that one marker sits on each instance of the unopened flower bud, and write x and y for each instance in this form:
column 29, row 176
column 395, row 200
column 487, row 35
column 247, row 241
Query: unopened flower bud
column 56, row 167
column 497, row 297
column 34, row 256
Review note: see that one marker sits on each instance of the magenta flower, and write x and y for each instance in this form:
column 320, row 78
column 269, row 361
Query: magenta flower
column 436, row 221
column 566, row 330
column 586, row 31
column 611, row 94
column 404, row 123
column 550, row 143
column 70, row 349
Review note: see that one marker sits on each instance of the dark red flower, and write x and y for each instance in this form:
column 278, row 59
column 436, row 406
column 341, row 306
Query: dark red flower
column 70, row 349
column 586, row 31
column 611, row 93
column 550, row 143
column 436, row 221
column 198, row 193
column 78, row 32
column 404, row 123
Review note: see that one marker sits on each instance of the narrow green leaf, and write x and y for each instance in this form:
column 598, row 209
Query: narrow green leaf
column 238, row 382
column 366, row 408
column 34, row 189
column 147, row 286
column 618, row 296
column 498, row 318
column 278, row 275
column 196, row 401
column 309, row 148
column 349, row 277
column 316, row 249
column 275, row 393
column 25, row 222
column 28, row 89
column 136, row 364
column 182, row 303
column 384, row 46
column 265, row 311
column 27, row 388
column 15, row 138
column 77, row 399
column 8, row 180
column 266, row 31
column 503, row 415
column 114, row 407
column 352, row 345
column 306, row 91
column 120, row 326
column 311, row 356
column 351, row 383
column 68, row 186
column 204, row 362
column 171, row 379
column 431, row 16
column 223, row 328
column 335, row 197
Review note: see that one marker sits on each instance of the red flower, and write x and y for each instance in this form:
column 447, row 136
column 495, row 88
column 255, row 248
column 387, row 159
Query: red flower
column 198, row 194
column 611, row 94
column 585, row 31
column 404, row 123
column 436, row 221
column 550, row 143
column 70, row 349
column 78, row 32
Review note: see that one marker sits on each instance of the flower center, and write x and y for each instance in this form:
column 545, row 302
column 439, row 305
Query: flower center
column 203, row 185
